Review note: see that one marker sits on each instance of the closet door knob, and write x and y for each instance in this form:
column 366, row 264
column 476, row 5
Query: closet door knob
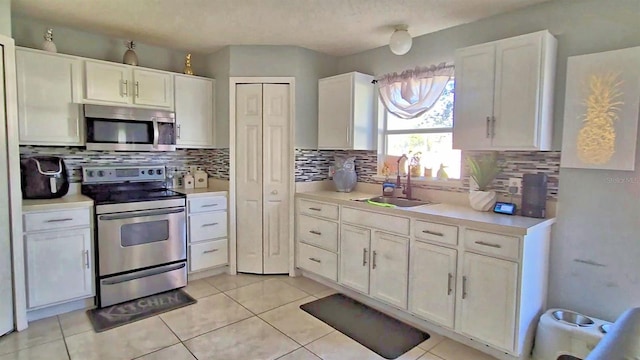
column 274, row 192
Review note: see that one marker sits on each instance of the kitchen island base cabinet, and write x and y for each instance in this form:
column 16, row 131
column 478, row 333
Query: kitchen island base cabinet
column 489, row 293
column 355, row 250
column 432, row 285
column 389, row 269
column 58, row 266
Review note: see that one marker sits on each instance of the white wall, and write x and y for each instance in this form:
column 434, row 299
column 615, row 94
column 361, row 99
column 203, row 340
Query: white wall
column 598, row 219
column 218, row 67
column 28, row 32
column 5, row 17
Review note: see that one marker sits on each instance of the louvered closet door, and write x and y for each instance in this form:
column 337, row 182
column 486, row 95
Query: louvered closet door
column 276, row 172
column 249, row 185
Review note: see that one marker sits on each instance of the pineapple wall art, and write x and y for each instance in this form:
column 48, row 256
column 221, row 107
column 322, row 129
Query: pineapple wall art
column 602, row 106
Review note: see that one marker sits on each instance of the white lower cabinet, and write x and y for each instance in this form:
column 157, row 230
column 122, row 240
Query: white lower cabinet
column 207, row 232
column 432, row 284
column 355, row 246
column 489, row 294
column 59, row 266
column 389, row 269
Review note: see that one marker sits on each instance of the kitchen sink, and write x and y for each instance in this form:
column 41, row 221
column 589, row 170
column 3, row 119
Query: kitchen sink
column 399, row 202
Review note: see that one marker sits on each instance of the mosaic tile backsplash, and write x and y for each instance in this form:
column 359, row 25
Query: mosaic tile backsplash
column 313, row 165
column 214, row 161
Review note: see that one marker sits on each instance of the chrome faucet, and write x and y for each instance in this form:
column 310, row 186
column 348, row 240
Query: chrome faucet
column 406, row 190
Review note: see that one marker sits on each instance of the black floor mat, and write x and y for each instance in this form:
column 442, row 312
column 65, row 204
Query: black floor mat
column 130, row 311
column 380, row 333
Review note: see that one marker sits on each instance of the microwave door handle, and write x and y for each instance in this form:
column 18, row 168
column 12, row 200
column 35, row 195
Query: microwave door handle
column 156, row 133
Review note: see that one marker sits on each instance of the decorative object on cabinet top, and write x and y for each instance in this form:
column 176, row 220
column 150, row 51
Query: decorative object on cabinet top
column 187, row 65
column 48, row 44
column 130, row 57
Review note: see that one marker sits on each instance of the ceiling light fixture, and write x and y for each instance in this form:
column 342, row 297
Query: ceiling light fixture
column 400, row 42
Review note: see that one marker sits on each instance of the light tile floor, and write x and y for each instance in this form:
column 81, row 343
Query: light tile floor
column 243, row 317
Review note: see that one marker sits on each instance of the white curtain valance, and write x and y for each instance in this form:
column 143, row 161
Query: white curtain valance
column 413, row 92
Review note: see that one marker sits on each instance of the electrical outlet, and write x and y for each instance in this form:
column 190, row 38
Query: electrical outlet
column 515, row 186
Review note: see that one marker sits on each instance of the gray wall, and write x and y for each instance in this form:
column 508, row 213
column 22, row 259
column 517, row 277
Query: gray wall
column 28, row 32
column 598, row 211
column 5, row 17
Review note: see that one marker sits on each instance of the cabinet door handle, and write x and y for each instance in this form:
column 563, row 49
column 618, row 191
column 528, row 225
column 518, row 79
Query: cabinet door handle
column 449, row 282
column 488, row 125
column 315, row 232
column 210, row 251
column 59, row 220
column 86, row 259
column 315, row 209
column 315, row 260
column 497, row 246
column 126, row 87
column 493, row 126
column 364, row 257
column 210, row 224
column 137, row 89
column 373, row 261
column 464, row 287
column 178, row 131
column 433, row 233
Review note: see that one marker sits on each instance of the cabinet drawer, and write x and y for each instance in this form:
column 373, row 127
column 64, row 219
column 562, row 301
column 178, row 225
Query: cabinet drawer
column 389, row 223
column 490, row 243
column 212, row 203
column 328, row 211
column 321, row 233
column 441, row 233
column 207, row 226
column 207, row 254
column 318, row 261
column 57, row 219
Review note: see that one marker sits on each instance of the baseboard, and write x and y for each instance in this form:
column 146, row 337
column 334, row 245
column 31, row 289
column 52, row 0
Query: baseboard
column 207, row 273
column 88, row 303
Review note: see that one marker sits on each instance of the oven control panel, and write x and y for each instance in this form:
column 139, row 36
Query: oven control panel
column 123, row 173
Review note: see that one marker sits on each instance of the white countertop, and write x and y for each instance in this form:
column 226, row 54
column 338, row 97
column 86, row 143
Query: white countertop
column 70, row 201
column 201, row 192
column 453, row 214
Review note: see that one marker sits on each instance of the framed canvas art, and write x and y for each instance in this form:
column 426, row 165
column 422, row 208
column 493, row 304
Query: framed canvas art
column 602, row 106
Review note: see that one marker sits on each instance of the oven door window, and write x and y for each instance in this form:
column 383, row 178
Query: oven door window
column 119, row 131
column 144, row 233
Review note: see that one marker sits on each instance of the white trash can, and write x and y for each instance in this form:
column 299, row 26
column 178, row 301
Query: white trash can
column 563, row 332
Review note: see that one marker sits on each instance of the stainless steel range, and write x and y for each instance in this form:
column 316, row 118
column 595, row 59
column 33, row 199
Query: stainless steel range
column 140, row 231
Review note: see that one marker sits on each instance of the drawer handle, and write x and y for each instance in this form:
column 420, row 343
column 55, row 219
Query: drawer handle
column 464, row 287
column 315, row 232
column 210, row 251
column 59, row 220
column 449, row 281
column 433, row 233
column 315, row 260
column 315, row 209
column 497, row 246
column 210, row 205
column 373, row 261
column 211, row 224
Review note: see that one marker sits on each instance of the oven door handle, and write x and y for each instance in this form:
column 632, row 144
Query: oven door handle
column 140, row 214
column 140, row 274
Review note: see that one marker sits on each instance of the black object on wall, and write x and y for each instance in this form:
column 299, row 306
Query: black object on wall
column 534, row 195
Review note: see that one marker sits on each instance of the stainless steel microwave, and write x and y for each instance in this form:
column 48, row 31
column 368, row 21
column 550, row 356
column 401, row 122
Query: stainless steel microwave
column 129, row 129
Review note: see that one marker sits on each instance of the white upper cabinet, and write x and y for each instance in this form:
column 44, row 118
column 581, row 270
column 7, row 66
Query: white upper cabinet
column 107, row 82
column 152, row 88
column 504, row 94
column 345, row 112
column 116, row 84
column 49, row 96
column 194, row 111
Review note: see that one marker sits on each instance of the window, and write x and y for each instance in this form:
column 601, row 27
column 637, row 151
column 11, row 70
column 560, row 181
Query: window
column 429, row 136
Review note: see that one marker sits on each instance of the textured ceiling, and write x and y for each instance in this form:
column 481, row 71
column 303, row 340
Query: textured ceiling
column 337, row 27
